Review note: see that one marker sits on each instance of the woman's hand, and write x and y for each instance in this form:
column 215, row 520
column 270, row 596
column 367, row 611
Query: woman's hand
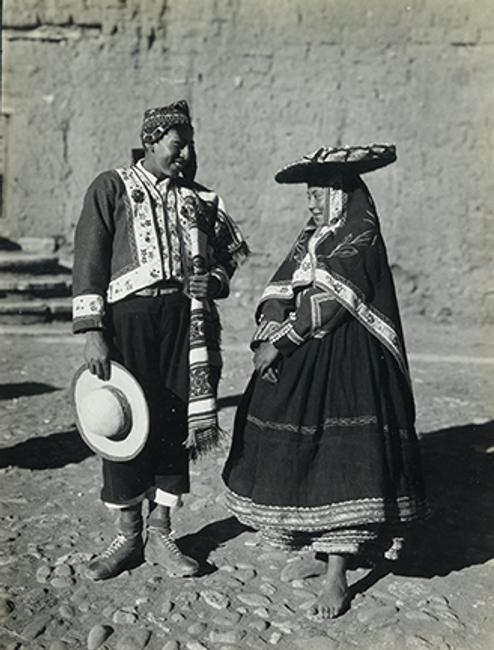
column 97, row 355
column 264, row 357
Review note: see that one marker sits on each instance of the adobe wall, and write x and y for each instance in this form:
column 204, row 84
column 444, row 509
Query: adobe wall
column 269, row 80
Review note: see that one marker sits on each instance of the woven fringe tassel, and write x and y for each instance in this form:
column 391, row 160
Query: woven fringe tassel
column 200, row 442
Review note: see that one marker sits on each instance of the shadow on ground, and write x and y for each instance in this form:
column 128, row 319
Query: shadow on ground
column 46, row 452
column 210, row 537
column 11, row 391
column 459, row 470
column 459, row 466
column 459, row 474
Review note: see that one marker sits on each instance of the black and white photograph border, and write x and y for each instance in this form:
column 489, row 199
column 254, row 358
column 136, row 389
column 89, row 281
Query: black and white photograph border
column 96, row 97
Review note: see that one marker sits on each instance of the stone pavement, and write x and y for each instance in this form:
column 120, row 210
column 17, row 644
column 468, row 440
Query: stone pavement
column 438, row 596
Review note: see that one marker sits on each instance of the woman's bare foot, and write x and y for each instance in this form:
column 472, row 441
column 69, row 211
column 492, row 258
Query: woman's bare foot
column 334, row 595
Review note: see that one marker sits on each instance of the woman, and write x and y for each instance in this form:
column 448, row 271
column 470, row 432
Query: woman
column 324, row 453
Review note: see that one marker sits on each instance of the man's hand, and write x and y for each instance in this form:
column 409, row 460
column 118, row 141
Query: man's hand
column 264, row 358
column 203, row 286
column 97, row 355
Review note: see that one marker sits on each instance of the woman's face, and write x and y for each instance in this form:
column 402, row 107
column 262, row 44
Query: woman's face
column 316, row 197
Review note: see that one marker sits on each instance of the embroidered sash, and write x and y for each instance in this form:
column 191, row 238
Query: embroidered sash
column 194, row 216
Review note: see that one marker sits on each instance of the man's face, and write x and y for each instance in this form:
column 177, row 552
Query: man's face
column 171, row 153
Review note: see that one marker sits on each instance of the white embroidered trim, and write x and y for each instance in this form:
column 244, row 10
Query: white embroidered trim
column 150, row 257
column 345, row 513
column 347, row 297
column 315, row 306
column 88, row 305
column 365, row 314
column 281, row 332
column 337, row 199
column 146, row 238
column 145, row 223
column 355, row 421
column 264, row 331
column 132, row 281
column 150, row 268
column 294, row 337
column 282, row 290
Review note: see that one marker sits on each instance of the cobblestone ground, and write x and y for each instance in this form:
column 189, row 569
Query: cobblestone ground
column 439, row 595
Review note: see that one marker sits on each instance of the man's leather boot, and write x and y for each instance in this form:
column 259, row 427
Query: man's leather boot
column 161, row 548
column 126, row 550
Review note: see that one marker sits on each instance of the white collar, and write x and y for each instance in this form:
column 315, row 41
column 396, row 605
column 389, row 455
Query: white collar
column 149, row 175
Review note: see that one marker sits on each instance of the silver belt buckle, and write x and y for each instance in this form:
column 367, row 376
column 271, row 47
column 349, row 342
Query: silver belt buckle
column 168, row 291
column 147, row 293
column 154, row 292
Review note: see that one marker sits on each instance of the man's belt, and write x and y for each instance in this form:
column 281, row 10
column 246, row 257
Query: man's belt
column 164, row 288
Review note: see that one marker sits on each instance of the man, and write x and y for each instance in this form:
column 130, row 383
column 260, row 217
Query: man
column 153, row 249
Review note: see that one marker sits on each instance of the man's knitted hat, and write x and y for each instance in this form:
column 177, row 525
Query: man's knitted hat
column 157, row 121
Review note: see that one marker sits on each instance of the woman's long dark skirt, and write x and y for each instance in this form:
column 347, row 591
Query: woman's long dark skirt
column 328, row 457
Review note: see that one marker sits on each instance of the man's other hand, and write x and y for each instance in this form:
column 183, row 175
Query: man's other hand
column 203, row 286
column 97, row 355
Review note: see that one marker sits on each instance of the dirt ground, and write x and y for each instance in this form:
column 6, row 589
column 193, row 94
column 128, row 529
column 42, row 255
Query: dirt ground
column 439, row 595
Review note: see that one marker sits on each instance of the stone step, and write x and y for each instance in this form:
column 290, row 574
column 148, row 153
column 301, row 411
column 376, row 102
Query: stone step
column 22, row 262
column 40, row 245
column 23, row 312
column 52, row 330
column 58, row 284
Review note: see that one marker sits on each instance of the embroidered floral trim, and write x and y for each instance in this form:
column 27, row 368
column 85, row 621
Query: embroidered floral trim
column 148, row 249
column 348, row 247
column 365, row 314
column 138, row 196
column 88, row 305
column 143, row 233
column 174, row 237
column 155, row 258
column 132, row 281
column 282, row 290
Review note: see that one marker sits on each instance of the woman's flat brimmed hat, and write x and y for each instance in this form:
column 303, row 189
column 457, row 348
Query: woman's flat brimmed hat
column 113, row 415
column 326, row 160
